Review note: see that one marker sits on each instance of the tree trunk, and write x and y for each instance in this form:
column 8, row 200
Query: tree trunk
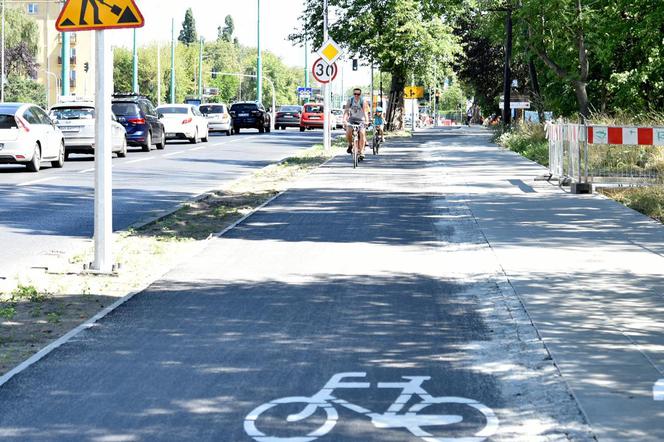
column 396, row 104
column 582, row 99
column 537, row 95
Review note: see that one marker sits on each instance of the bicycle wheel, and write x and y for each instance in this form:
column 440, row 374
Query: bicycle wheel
column 309, row 407
column 356, row 149
column 374, row 145
column 489, row 429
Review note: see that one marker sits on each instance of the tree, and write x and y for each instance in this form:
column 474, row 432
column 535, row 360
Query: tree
column 188, row 33
column 226, row 33
column 407, row 38
column 25, row 90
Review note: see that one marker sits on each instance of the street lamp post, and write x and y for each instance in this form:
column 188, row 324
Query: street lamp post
column 48, row 87
column 200, row 72
column 135, row 65
column 259, row 62
column 172, row 61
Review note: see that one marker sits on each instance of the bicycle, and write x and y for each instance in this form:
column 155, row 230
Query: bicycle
column 356, row 141
column 411, row 420
column 376, row 141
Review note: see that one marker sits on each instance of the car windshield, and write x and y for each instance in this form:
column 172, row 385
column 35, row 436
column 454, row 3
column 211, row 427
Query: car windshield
column 173, row 110
column 73, row 113
column 212, row 109
column 126, row 109
column 314, row 108
column 7, row 122
column 289, row 109
column 244, row 107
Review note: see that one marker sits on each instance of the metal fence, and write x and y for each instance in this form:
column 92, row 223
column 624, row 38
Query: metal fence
column 606, row 155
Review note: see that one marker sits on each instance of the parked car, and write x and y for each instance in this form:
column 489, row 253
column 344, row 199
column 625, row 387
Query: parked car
column 217, row 116
column 338, row 118
column 288, row 116
column 141, row 121
column 183, row 121
column 76, row 120
column 249, row 114
column 312, row 116
column 29, row 136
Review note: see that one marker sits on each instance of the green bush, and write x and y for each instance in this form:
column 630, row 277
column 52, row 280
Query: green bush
column 526, row 139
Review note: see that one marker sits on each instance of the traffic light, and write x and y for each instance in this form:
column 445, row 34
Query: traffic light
column 86, row 66
column 354, row 64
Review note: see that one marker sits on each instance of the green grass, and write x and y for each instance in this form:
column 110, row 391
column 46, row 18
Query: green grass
column 28, row 293
column 647, row 200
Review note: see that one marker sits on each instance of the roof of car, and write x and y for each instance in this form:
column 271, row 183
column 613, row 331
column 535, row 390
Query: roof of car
column 12, row 107
column 74, row 104
column 183, row 105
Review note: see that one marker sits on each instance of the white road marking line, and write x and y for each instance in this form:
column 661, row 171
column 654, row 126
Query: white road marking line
column 196, row 148
column 87, row 170
column 174, row 153
column 137, row 161
column 42, row 180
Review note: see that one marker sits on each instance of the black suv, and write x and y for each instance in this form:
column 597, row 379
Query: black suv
column 249, row 114
column 140, row 119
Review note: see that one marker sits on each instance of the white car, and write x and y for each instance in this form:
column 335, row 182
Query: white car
column 218, row 117
column 29, row 136
column 338, row 121
column 183, row 121
column 76, row 120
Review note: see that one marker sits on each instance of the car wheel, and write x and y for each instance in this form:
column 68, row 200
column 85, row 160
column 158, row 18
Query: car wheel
column 261, row 129
column 162, row 144
column 148, row 143
column 61, row 157
column 66, row 156
column 207, row 135
column 301, row 128
column 268, row 129
column 237, row 131
column 123, row 151
column 35, row 164
column 228, row 133
column 195, row 139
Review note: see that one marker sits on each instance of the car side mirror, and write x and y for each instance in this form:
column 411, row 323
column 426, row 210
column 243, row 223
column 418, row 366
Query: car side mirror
column 160, row 115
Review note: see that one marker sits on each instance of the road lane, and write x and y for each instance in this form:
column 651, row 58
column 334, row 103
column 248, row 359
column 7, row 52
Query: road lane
column 52, row 212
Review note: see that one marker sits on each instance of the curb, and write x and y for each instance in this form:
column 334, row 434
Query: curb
column 92, row 322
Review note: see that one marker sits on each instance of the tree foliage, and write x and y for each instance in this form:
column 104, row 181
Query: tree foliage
column 188, row 33
column 22, row 42
column 407, row 38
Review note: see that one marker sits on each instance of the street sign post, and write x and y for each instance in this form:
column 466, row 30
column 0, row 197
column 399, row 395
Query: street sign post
column 100, row 15
column 323, row 72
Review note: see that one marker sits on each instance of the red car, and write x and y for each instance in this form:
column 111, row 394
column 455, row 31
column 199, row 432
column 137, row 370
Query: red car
column 312, row 116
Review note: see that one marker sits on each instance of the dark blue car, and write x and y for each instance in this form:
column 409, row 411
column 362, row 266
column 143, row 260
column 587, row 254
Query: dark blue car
column 141, row 121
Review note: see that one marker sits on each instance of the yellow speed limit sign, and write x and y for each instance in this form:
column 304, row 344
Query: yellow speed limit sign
column 413, row 92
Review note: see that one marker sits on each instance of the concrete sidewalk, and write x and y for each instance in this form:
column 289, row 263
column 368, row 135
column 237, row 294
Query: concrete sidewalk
column 589, row 272
column 409, row 265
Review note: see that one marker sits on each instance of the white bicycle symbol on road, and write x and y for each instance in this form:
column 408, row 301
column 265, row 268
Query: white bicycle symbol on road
column 411, row 420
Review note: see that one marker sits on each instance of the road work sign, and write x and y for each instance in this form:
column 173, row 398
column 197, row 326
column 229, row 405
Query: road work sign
column 94, row 15
column 413, row 92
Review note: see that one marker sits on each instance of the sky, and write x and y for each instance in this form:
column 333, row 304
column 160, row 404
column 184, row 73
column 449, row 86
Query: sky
column 279, row 18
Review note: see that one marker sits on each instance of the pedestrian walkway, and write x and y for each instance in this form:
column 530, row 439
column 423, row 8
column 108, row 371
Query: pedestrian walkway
column 410, row 269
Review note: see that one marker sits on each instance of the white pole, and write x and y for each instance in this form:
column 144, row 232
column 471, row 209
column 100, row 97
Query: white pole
column 2, row 55
column 103, row 173
column 412, row 107
column 326, row 90
column 158, row 74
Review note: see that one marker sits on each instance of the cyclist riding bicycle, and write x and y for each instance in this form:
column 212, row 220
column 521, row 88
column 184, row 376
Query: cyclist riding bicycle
column 379, row 123
column 356, row 112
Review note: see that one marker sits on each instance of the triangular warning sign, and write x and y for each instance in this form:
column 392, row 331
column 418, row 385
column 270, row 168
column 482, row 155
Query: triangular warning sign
column 81, row 15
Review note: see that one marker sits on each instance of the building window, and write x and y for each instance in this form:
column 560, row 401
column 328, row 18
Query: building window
column 33, row 8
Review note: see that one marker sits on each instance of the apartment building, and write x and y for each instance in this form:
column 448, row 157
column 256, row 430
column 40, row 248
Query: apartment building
column 81, row 51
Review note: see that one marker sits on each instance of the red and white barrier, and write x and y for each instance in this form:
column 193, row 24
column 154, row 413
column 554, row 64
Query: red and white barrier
column 646, row 136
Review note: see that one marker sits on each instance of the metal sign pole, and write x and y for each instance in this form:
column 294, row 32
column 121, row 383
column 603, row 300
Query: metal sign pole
column 103, row 217
column 326, row 91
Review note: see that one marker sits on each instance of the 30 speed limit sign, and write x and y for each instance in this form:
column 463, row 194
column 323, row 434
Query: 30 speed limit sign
column 323, row 72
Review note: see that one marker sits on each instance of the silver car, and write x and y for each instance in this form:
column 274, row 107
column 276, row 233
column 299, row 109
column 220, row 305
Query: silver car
column 76, row 120
column 218, row 117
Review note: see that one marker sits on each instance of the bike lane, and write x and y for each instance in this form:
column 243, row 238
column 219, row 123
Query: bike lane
column 369, row 271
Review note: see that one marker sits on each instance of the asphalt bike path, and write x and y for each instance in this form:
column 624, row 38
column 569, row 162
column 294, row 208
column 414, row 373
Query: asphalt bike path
column 361, row 305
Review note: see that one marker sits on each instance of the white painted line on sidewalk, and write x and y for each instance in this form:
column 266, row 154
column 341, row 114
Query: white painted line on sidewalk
column 41, row 180
column 87, row 170
column 174, row 153
column 138, row 161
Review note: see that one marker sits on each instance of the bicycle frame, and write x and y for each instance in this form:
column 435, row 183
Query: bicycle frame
column 389, row 419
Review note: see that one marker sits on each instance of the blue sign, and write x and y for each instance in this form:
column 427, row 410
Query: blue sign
column 305, row 90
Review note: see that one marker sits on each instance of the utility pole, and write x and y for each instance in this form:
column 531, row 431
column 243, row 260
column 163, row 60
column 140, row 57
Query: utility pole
column 306, row 61
column 158, row 73
column 507, row 80
column 172, row 61
column 326, row 90
column 65, row 64
column 200, row 72
column 135, row 65
column 2, row 71
column 259, row 62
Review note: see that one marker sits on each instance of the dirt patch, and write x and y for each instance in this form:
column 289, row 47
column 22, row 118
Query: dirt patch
column 39, row 307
